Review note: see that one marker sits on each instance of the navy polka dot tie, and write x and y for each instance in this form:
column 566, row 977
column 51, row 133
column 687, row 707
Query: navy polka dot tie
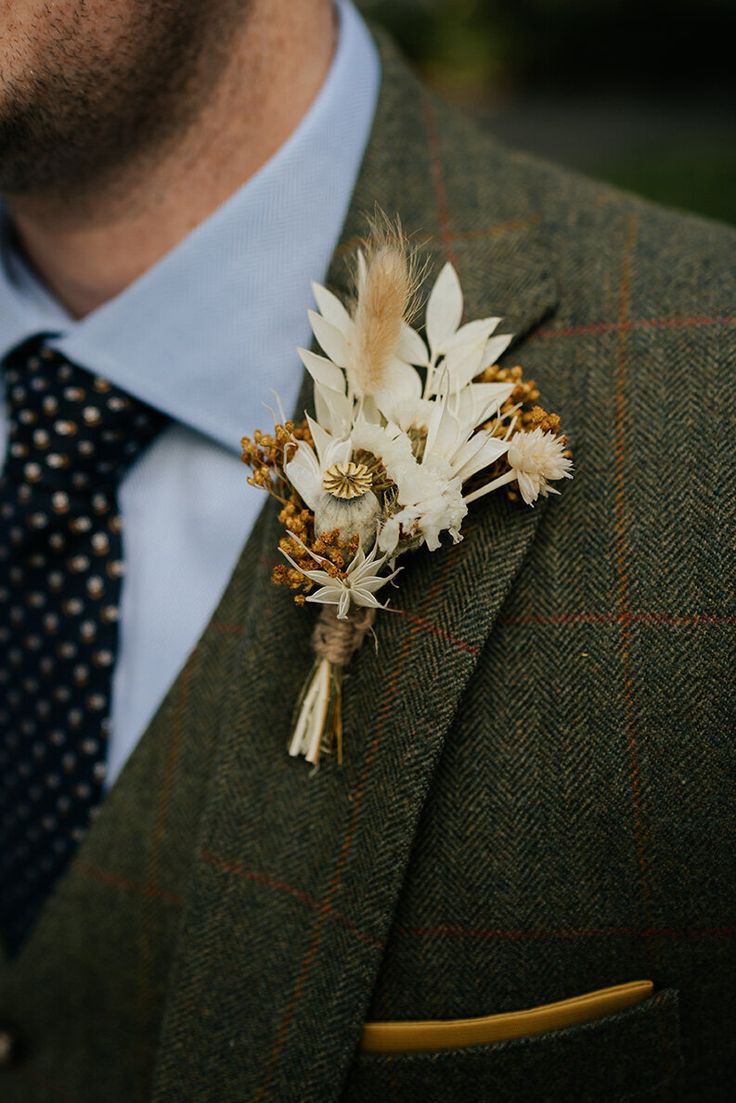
column 72, row 437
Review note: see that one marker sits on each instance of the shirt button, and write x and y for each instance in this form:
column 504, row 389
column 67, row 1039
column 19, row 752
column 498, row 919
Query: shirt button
column 11, row 1046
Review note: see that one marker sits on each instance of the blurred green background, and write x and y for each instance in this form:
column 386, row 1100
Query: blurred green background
column 637, row 92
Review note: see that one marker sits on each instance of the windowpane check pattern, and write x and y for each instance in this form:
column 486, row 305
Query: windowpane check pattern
column 72, row 437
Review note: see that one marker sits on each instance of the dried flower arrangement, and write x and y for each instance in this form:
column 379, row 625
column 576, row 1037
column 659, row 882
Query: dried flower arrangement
column 408, row 432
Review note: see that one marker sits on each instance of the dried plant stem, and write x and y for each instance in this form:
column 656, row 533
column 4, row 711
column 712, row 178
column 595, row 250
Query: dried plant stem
column 502, row 480
column 318, row 717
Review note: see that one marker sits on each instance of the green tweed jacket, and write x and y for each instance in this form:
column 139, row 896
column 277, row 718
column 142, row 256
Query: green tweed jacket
column 536, row 800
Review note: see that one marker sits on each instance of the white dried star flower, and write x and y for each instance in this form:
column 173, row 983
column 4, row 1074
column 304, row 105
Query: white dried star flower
column 458, row 353
column 362, row 580
column 537, row 458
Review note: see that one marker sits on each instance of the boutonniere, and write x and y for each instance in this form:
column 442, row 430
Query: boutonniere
column 408, row 432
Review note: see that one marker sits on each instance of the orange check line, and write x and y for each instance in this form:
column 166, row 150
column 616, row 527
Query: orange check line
column 304, row 897
column 115, row 881
column 420, row 622
column 625, row 325
column 434, row 630
column 694, row 620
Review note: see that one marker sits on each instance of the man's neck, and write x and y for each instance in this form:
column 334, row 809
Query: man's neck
column 87, row 253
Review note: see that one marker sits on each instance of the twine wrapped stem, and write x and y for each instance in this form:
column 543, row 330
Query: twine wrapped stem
column 318, row 722
column 338, row 640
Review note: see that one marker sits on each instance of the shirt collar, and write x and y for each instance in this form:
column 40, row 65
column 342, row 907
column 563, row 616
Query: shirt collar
column 208, row 334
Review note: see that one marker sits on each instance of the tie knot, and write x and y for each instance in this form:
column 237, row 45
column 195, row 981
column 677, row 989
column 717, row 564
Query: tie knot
column 68, row 427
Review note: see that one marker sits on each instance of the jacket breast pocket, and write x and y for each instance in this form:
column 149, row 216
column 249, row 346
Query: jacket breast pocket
column 633, row 1054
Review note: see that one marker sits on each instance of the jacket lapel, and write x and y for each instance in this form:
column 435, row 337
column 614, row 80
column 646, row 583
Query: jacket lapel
column 298, row 872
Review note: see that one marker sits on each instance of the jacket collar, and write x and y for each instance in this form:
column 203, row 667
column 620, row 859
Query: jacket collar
column 298, row 874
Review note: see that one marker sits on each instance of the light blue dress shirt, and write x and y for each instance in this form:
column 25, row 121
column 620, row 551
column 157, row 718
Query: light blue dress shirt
column 208, row 336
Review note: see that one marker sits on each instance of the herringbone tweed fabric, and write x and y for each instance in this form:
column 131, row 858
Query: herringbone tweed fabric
column 89, row 988
column 536, row 799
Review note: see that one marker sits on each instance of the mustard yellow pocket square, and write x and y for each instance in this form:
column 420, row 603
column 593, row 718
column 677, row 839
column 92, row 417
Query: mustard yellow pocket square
column 417, row 1037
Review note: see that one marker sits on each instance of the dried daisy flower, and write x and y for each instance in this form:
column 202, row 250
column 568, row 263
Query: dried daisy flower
column 535, row 459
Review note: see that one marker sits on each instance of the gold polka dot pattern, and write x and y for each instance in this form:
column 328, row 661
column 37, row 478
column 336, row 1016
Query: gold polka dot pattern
column 72, row 437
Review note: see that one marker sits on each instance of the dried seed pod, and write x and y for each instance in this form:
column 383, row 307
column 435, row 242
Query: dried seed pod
column 351, row 516
column 347, row 480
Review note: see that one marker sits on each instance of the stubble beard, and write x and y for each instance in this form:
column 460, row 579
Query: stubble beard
column 79, row 116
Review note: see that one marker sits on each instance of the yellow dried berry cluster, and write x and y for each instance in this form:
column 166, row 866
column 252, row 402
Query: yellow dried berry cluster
column 537, row 418
column 335, row 554
column 525, row 390
column 265, row 455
